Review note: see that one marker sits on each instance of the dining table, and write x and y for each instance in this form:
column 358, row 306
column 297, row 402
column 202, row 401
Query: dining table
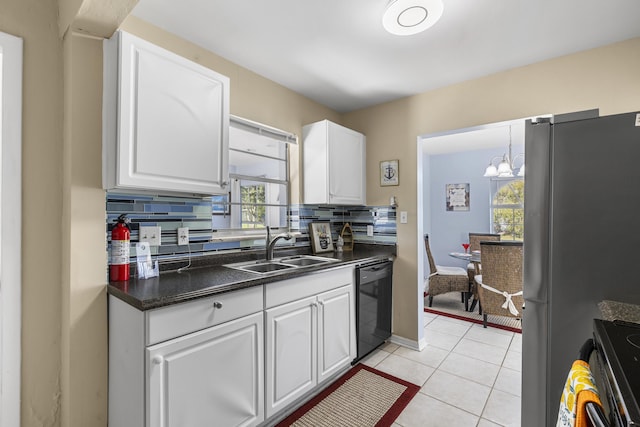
column 473, row 257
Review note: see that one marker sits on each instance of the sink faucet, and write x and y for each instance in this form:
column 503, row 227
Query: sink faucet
column 270, row 244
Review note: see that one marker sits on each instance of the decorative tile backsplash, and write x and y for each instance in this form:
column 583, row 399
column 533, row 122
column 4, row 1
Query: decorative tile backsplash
column 382, row 218
column 196, row 213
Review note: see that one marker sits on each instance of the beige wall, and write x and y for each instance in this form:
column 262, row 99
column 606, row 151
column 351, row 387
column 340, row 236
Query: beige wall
column 35, row 22
column 84, row 304
column 94, row 17
column 64, row 338
column 605, row 78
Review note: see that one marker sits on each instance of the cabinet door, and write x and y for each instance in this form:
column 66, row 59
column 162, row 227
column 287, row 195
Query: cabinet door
column 336, row 318
column 211, row 377
column 290, row 352
column 173, row 119
column 346, row 166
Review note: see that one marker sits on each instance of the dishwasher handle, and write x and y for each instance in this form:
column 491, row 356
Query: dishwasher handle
column 374, row 272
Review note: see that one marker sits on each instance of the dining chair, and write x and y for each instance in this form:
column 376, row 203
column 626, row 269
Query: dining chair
column 474, row 245
column 500, row 284
column 444, row 279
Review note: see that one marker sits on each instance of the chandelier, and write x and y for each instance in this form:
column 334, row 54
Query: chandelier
column 506, row 167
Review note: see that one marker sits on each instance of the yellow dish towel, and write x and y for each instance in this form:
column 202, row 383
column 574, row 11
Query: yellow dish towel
column 578, row 391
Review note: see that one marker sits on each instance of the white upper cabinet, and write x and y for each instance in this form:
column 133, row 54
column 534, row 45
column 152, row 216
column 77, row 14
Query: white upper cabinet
column 165, row 121
column 334, row 164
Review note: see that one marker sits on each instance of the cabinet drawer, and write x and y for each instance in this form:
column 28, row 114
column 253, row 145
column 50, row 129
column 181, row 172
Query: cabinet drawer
column 180, row 319
column 311, row 284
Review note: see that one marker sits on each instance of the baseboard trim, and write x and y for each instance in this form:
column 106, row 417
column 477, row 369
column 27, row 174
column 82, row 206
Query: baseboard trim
column 405, row 342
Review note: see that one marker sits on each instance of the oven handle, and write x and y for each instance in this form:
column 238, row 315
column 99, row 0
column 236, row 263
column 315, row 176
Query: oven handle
column 586, row 349
column 596, row 416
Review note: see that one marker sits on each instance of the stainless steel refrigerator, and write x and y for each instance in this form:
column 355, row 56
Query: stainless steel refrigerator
column 581, row 244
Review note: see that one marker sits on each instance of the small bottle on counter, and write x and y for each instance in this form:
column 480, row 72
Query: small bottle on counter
column 339, row 244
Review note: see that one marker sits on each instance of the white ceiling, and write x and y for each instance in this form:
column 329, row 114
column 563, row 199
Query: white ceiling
column 337, row 53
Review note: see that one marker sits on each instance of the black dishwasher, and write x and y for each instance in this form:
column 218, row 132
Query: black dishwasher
column 373, row 305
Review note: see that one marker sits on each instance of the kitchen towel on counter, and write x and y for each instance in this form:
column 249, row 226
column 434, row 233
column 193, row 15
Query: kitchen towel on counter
column 579, row 390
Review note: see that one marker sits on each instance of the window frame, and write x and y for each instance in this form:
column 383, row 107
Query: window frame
column 497, row 184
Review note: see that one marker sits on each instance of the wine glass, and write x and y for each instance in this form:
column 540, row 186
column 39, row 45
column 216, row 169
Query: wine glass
column 466, row 247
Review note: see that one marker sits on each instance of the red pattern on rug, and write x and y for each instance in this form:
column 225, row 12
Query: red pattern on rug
column 478, row 321
column 387, row 419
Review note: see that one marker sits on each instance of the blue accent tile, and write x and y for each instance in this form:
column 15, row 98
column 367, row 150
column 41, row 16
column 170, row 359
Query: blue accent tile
column 196, row 213
column 165, row 207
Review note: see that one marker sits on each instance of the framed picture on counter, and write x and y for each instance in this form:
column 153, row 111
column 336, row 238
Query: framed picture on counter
column 320, row 236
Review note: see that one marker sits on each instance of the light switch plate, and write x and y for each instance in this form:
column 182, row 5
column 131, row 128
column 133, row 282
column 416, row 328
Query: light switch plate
column 370, row 230
column 403, row 217
column 151, row 235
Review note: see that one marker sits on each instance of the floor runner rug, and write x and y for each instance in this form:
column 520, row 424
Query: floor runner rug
column 362, row 397
column 449, row 305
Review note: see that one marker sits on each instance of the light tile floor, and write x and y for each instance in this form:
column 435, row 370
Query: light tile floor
column 469, row 375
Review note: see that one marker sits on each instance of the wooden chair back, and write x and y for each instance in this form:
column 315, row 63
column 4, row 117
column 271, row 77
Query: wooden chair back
column 432, row 263
column 502, row 265
column 476, row 238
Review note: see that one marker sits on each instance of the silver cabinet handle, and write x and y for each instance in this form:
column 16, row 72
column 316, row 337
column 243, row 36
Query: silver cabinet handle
column 217, row 304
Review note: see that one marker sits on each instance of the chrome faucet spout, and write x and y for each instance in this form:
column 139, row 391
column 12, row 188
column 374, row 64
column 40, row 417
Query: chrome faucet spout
column 271, row 243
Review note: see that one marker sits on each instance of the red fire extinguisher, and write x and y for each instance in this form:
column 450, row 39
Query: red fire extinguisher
column 120, row 247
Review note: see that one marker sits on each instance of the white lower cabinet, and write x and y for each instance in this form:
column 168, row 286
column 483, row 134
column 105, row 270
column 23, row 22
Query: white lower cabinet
column 191, row 364
column 335, row 311
column 211, row 377
column 308, row 340
column 232, row 359
column 291, row 353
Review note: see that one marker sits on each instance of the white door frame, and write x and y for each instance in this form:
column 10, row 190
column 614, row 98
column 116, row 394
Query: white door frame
column 10, row 228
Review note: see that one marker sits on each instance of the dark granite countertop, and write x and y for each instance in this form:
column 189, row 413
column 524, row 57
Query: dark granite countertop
column 615, row 310
column 208, row 276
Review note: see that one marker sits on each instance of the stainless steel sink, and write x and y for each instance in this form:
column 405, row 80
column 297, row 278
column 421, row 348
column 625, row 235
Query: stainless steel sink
column 304, row 260
column 266, row 267
column 279, row 264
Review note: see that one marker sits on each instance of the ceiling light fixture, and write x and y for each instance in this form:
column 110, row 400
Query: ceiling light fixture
column 407, row 17
column 506, row 166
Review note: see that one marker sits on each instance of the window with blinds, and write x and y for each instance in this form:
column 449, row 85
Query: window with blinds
column 258, row 173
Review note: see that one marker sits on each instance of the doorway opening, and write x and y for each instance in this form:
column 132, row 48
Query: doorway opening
column 459, row 158
column 10, row 227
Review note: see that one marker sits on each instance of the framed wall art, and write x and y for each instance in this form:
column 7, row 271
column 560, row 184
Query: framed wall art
column 389, row 173
column 457, row 197
column 320, row 236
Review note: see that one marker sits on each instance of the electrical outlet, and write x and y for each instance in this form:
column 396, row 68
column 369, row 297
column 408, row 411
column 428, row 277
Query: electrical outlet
column 151, row 235
column 183, row 235
column 370, row 230
column 403, row 217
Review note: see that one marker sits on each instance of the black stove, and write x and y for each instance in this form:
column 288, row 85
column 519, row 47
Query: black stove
column 618, row 346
